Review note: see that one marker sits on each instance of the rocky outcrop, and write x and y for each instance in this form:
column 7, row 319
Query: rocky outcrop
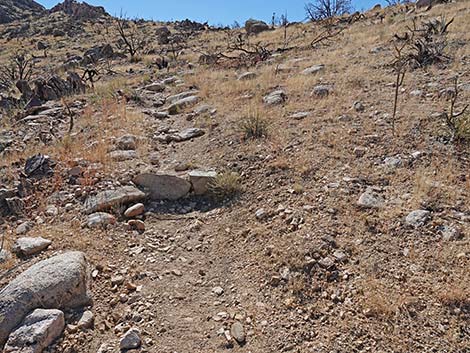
column 80, row 10
column 55, row 283
column 12, row 10
column 51, row 88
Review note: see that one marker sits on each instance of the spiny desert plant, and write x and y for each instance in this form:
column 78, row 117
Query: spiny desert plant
column 254, row 126
column 225, row 185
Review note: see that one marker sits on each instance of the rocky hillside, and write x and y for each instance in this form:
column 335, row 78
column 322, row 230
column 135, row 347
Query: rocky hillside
column 12, row 10
column 302, row 188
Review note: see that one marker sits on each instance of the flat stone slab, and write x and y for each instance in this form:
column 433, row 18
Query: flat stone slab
column 38, row 330
column 155, row 87
column 179, row 105
column 58, row 282
column 30, row 246
column 313, row 70
column 121, row 156
column 163, row 186
column 112, row 198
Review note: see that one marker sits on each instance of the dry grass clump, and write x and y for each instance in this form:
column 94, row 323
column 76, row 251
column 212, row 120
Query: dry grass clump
column 254, row 127
column 225, row 185
column 456, row 297
column 382, row 302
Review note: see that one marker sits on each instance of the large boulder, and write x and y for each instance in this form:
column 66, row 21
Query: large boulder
column 59, row 282
column 163, row 35
column 255, row 26
column 38, row 330
column 106, row 200
column 163, row 186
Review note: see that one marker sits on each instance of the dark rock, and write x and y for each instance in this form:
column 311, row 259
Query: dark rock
column 255, row 26
column 97, row 53
column 39, row 166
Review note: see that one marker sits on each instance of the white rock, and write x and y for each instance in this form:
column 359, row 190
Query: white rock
column 30, row 246
column 417, row 218
column 218, row 291
column 370, row 199
column 155, row 87
column 100, row 220
column 51, row 211
column 313, row 70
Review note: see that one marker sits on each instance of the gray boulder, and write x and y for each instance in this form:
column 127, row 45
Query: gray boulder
column 276, row 97
column 38, row 330
column 58, row 282
column 179, row 105
column 113, row 198
column 321, row 91
column 163, row 186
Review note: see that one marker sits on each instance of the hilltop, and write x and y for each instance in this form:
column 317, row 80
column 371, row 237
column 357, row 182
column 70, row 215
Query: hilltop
column 175, row 187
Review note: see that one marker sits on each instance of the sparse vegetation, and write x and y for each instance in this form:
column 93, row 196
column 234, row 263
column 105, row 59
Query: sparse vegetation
column 320, row 231
column 254, row 126
column 225, row 185
column 323, row 9
column 132, row 39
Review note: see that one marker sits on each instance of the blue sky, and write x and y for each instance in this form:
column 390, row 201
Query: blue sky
column 214, row 11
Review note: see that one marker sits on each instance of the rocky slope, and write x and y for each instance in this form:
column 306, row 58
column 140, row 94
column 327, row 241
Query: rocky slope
column 206, row 195
column 12, row 10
